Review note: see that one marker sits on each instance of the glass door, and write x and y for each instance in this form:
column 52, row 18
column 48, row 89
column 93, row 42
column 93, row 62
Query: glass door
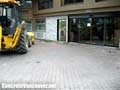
column 80, row 30
column 85, row 27
column 73, row 30
column 109, row 31
column 117, row 31
column 61, row 30
column 98, row 30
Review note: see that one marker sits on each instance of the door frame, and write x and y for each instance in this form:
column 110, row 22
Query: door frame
column 58, row 29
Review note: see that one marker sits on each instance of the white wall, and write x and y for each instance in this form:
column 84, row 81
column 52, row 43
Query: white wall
column 51, row 28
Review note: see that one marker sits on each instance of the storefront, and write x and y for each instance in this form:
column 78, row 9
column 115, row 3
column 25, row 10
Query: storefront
column 52, row 28
column 101, row 29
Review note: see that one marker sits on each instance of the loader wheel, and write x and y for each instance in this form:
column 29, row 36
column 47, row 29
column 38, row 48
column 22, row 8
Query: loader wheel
column 22, row 46
column 29, row 42
column 33, row 43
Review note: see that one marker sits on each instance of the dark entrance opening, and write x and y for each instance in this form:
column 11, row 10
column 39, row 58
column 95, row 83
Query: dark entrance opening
column 95, row 29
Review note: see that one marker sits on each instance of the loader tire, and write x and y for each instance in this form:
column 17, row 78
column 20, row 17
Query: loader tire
column 29, row 42
column 33, row 43
column 22, row 46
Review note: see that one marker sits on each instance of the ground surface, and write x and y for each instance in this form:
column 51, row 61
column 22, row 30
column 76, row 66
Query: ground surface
column 70, row 67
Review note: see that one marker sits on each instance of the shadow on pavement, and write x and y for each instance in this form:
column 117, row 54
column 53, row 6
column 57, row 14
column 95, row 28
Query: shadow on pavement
column 10, row 53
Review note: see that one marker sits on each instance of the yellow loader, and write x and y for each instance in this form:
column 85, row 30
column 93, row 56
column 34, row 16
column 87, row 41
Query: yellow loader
column 13, row 35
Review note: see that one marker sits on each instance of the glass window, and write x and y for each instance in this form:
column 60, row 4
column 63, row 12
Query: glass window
column 9, row 12
column 5, row 10
column 29, row 26
column 45, row 4
column 27, row 3
column 40, row 25
column 72, row 1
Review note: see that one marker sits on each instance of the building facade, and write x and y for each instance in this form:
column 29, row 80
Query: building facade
column 27, row 14
column 84, row 21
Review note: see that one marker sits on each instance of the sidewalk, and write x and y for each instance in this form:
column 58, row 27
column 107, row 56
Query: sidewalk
column 70, row 67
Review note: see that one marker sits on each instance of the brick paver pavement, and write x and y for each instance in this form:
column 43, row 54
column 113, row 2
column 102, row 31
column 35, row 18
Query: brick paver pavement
column 70, row 67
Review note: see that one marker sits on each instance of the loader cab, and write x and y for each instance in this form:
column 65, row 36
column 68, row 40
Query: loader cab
column 9, row 18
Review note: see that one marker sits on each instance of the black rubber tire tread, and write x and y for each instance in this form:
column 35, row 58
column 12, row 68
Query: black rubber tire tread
column 21, row 47
column 29, row 41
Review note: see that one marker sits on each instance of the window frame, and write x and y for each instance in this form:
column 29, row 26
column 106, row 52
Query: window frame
column 74, row 2
column 38, row 24
column 27, row 21
column 45, row 4
column 28, row 4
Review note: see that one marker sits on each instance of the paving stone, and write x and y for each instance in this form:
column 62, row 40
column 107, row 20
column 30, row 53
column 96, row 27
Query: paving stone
column 70, row 67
